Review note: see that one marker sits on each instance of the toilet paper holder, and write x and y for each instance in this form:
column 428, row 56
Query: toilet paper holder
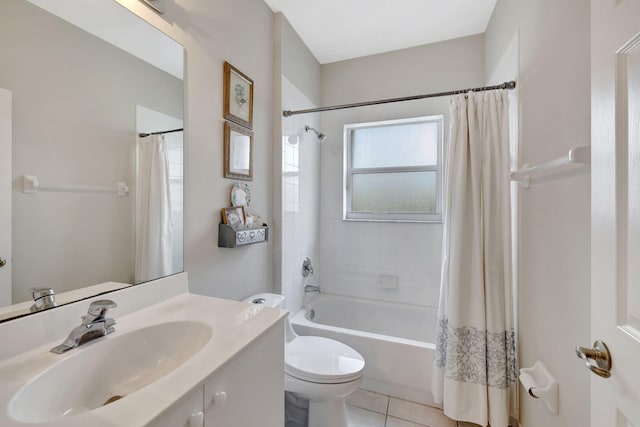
column 540, row 384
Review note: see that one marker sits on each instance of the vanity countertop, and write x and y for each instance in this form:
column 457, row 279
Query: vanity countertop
column 233, row 324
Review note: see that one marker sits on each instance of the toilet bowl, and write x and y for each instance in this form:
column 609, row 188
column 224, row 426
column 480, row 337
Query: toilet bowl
column 322, row 370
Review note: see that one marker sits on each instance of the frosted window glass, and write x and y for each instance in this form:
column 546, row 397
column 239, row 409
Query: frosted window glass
column 290, row 172
column 175, row 177
column 290, row 155
column 393, row 170
column 414, row 144
column 411, row 192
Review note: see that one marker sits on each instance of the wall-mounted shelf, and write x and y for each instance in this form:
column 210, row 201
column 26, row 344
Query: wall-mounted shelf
column 577, row 156
column 230, row 238
column 31, row 185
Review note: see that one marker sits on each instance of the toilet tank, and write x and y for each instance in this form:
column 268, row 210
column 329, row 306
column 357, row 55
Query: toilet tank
column 275, row 301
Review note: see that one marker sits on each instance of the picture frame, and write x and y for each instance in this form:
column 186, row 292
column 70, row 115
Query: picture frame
column 238, row 152
column 234, row 216
column 238, row 96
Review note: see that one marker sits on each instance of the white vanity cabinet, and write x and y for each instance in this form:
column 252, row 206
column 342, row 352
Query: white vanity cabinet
column 187, row 412
column 185, row 360
column 248, row 391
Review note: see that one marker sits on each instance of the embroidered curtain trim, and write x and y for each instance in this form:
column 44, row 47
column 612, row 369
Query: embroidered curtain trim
column 476, row 356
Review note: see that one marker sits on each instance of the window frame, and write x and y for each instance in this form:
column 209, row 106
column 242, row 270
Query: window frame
column 349, row 172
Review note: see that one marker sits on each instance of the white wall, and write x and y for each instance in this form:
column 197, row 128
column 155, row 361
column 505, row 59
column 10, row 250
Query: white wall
column 297, row 166
column 212, row 31
column 74, row 123
column 297, row 62
column 554, row 228
column 355, row 254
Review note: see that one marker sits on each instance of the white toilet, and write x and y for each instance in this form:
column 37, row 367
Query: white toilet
column 322, row 370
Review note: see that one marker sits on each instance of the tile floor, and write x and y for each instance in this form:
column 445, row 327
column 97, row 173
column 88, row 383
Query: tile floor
column 369, row 409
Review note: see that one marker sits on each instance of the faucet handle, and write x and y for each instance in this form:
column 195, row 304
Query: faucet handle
column 41, row 292
column 43, row 298
column 99, row 308
column 307, row 268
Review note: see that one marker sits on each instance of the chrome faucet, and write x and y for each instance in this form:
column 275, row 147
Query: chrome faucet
column 94, row 325
column 43, row 298
column 312, row 288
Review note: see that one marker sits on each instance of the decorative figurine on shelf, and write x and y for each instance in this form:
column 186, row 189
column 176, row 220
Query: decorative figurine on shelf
column 241, row 196
column 234, row 217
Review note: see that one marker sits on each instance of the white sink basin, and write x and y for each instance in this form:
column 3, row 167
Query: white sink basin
column 108, row 369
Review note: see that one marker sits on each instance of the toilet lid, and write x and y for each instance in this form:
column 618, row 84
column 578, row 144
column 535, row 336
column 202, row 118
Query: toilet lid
column 322, row 360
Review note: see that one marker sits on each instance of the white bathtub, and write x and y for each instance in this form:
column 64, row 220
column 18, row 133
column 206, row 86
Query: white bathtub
column 396, row 340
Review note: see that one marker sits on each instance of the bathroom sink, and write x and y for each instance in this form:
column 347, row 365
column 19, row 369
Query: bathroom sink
column 107, row 370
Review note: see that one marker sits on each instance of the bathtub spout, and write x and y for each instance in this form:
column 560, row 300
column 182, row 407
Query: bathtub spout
column 312, row 288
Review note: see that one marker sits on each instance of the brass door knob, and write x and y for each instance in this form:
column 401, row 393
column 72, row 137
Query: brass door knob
column 3, row 262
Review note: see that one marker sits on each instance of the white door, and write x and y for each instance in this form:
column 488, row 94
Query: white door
column 5, row 197
column 615, row 209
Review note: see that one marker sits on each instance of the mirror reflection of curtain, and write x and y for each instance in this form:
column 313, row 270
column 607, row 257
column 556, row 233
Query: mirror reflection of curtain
column 154, row 231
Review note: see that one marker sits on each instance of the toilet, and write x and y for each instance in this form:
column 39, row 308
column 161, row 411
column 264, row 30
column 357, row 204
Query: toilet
column 322, row 370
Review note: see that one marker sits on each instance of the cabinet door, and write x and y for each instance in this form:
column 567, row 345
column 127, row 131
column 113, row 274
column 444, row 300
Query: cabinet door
column 187, row 412
column 249, row 390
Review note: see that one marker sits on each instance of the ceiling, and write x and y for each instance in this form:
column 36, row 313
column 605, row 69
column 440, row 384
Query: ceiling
column 336, row 30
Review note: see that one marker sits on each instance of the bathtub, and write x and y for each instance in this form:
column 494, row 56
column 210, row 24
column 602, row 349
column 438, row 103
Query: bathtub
column 396, row 340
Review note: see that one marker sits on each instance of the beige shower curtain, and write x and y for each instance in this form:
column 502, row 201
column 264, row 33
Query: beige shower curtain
column 475, row 364
column 154, row 229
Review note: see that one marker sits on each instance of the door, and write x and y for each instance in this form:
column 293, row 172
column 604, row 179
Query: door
column 5, row 197
column 615, row 208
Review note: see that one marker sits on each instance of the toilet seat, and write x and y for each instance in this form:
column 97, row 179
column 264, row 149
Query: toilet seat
column 322, row 360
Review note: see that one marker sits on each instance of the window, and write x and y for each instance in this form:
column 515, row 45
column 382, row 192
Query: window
column 291, row 173
column 393, row 170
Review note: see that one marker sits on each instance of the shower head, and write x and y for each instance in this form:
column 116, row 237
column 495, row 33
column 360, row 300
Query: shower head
column 321, row 136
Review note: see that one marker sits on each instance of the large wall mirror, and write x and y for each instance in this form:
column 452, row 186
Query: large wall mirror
column 101, row 207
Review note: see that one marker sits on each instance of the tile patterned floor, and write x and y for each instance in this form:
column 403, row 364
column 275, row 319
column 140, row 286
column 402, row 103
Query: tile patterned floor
column 369, row 409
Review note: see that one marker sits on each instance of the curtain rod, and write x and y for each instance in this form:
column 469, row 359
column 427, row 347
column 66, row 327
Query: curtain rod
column 505, row 85
column 144, row 135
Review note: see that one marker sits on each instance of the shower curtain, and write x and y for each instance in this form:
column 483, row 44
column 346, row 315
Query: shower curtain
column 475, row 364
column 154, row 233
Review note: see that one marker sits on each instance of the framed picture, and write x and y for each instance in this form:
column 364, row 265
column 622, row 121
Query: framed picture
column 238, row 152
column 233, row 216
column 238, row 96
